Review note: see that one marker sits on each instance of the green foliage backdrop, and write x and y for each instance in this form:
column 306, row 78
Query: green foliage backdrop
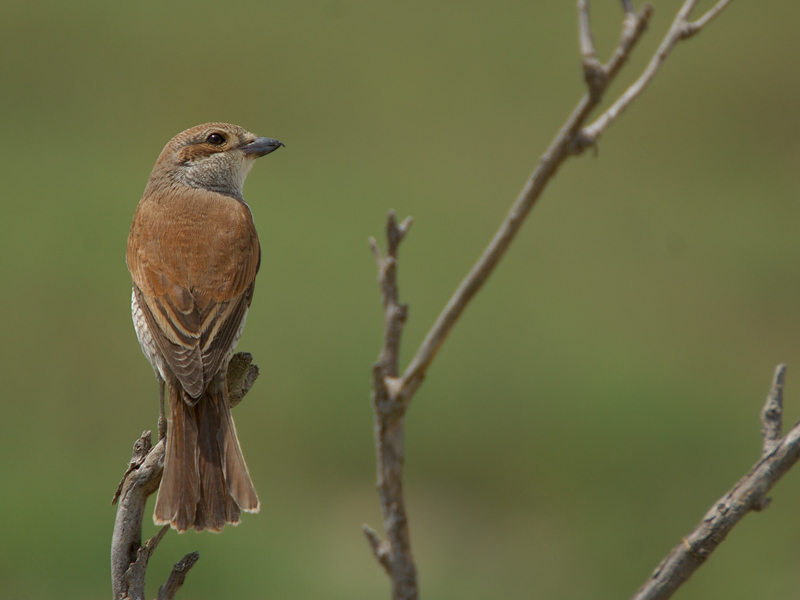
column 596, row 398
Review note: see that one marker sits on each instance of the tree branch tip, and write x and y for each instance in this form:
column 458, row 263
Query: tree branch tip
column 772, row 412
column 380, row 549
column 638, row 20
column 396, row 232
column 178, row 575
column 594, row 73
column 774, row 402
column 372, row 536
column 628, row 7
column 634, row 24
column 187, row 562
column 373, row 244
column 143, row 444
column 693, row 27
column 154, row 541
column 405, row 225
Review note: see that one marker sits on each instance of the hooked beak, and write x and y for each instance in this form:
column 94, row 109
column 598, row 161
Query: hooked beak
column 261, row 146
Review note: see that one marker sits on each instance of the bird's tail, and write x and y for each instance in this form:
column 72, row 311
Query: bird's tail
column 205, row 482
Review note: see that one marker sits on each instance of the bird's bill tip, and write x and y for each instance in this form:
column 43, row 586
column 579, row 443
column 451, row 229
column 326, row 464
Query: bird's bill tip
column 261, row 147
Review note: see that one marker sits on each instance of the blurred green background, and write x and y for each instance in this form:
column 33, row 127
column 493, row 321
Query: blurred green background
column 597, row 397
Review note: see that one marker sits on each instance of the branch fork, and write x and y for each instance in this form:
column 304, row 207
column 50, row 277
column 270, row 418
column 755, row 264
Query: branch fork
column 392, row 391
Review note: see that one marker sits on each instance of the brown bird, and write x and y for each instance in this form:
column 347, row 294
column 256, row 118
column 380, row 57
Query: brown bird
column 193, row 254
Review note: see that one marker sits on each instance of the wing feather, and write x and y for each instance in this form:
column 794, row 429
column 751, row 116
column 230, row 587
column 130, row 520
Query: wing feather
column 194, row 279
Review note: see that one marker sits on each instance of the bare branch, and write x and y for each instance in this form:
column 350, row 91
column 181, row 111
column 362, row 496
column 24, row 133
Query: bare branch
column 135, row 574
column 393, row 554
column 567, row 142
column 694, row 27
column 585, row 29
column 681, row 29
column 394, row 313
column 748, row 494
column 392, row 393
column 772, row 413
column 177, row 576
column 593, row 72
column 129, row 558
column 633, row 27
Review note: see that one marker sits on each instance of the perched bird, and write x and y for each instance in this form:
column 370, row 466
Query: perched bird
column 193, row 254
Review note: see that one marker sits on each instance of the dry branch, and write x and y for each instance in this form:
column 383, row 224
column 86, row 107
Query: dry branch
column 750, row 493
column 177, row 576
column 392, row 392
column 129, row 558
column 395, row 553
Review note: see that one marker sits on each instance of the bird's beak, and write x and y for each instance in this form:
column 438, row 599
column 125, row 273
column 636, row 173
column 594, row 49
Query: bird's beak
column 261, row 146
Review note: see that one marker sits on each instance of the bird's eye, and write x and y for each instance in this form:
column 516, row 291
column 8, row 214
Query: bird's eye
column 215, row 139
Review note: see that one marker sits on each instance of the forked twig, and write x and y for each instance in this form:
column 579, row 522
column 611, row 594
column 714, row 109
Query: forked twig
column 392, row 392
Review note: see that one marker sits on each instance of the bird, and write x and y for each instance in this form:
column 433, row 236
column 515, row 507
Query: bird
column 193, row 254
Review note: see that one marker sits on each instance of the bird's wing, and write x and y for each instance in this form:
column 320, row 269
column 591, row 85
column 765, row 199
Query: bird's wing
column 194, row 342
column 194, row 279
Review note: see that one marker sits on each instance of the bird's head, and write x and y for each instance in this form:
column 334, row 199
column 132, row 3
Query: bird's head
column 213, row 156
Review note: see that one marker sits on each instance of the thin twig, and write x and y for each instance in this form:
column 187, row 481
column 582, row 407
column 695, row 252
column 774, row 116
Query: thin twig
column 772, row 414
column 697, row 25
column 573, row 138
column 560, row 149
column 178, row 575
column 593, row 72
column 748, row 494
column 394, row 554
column 135, row 575
column 380, row 549
column 681, row 29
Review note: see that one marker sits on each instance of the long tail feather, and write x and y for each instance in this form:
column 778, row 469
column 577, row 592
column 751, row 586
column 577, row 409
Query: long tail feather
column 206, row 482
column 180, row 488
column 237, row 476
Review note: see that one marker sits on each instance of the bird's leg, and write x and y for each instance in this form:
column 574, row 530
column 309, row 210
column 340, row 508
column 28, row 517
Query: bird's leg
column 162, row 419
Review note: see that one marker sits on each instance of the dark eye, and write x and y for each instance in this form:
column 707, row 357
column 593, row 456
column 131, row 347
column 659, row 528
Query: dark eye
column 215, row 139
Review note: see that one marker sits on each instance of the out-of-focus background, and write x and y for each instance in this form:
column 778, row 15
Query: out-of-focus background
column 594, row 401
